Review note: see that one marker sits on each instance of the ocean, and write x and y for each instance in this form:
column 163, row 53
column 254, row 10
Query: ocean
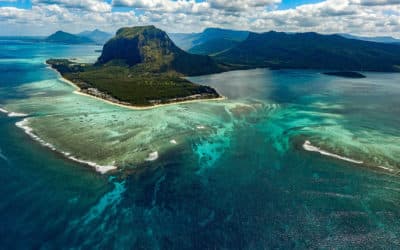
column 291, row 159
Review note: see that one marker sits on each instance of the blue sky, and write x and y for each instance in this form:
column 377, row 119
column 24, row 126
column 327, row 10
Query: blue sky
column 360, row 17
column 289, row 4
column 26, row 4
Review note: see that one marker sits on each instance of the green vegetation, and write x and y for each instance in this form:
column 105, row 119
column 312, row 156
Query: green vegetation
column 129, row 85
column 141, row 66
column 312, row 51
column 150, row 50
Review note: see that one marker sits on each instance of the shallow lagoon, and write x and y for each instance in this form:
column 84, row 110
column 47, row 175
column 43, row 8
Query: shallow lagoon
column 237, row 177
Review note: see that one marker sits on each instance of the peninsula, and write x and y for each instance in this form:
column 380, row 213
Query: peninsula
column 141, row 67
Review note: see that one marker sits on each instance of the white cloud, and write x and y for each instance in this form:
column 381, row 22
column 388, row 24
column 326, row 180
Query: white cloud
column 332, row 16
column 90, row 5
column 241, row 5
column 191, row 6
column 184, row 6
column 363, row 17
column 376, row 2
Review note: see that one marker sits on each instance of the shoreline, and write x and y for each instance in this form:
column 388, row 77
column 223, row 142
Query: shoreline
column 132, row 107
column 102, row 169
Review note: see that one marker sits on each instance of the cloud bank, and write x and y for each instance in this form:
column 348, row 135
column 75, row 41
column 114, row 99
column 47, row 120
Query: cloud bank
column 362, row 17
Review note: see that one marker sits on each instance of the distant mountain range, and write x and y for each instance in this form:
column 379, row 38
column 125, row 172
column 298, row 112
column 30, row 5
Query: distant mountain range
column 210, row 41
column 312, row 51
column 377, row 39
column 67, row 38
column 229, row 49
column 86, row 37
column 98, row 36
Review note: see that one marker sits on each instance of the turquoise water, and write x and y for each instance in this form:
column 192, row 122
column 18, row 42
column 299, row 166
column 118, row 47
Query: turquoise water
column 233, row 174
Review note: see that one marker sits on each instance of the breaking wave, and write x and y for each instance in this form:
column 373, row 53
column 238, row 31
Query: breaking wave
column 29, row 131
column 309, row 147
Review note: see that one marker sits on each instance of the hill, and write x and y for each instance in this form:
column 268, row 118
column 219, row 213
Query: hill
column 67, row 38
column 98, row 36
column 208, row 38
column 150, row 49
column 141, row 66
column 312, row 51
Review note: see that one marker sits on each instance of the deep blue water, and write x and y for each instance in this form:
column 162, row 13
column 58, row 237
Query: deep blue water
column 263, row 191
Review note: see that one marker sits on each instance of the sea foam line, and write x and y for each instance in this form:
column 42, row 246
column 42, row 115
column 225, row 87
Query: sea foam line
column 15, row 114
column 309, row 147
column 12, row 114
column 29, row 131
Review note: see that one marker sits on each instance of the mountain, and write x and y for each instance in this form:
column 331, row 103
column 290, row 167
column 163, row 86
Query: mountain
column 98, row 36
column 312, row 51
column 208, row 38
column 151, row 49
column 141, row 66
column 67, row 38
column 213, row 46
column 377, row 39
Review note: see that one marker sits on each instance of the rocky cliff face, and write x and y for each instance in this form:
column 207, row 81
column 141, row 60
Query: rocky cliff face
column 150, row 49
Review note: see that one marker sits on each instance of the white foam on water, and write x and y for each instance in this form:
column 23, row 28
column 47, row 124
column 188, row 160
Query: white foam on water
column 309, row 147
column 4, row 111
column 173, row 141
column 38, row 93
column 152, row 156
column 99, row 168
column 29, row 131
column 15, row 114
column 200, row 127
column 12, row 114
column 386, row 168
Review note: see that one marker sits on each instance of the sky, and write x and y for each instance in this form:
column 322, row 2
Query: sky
column 359, row 17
